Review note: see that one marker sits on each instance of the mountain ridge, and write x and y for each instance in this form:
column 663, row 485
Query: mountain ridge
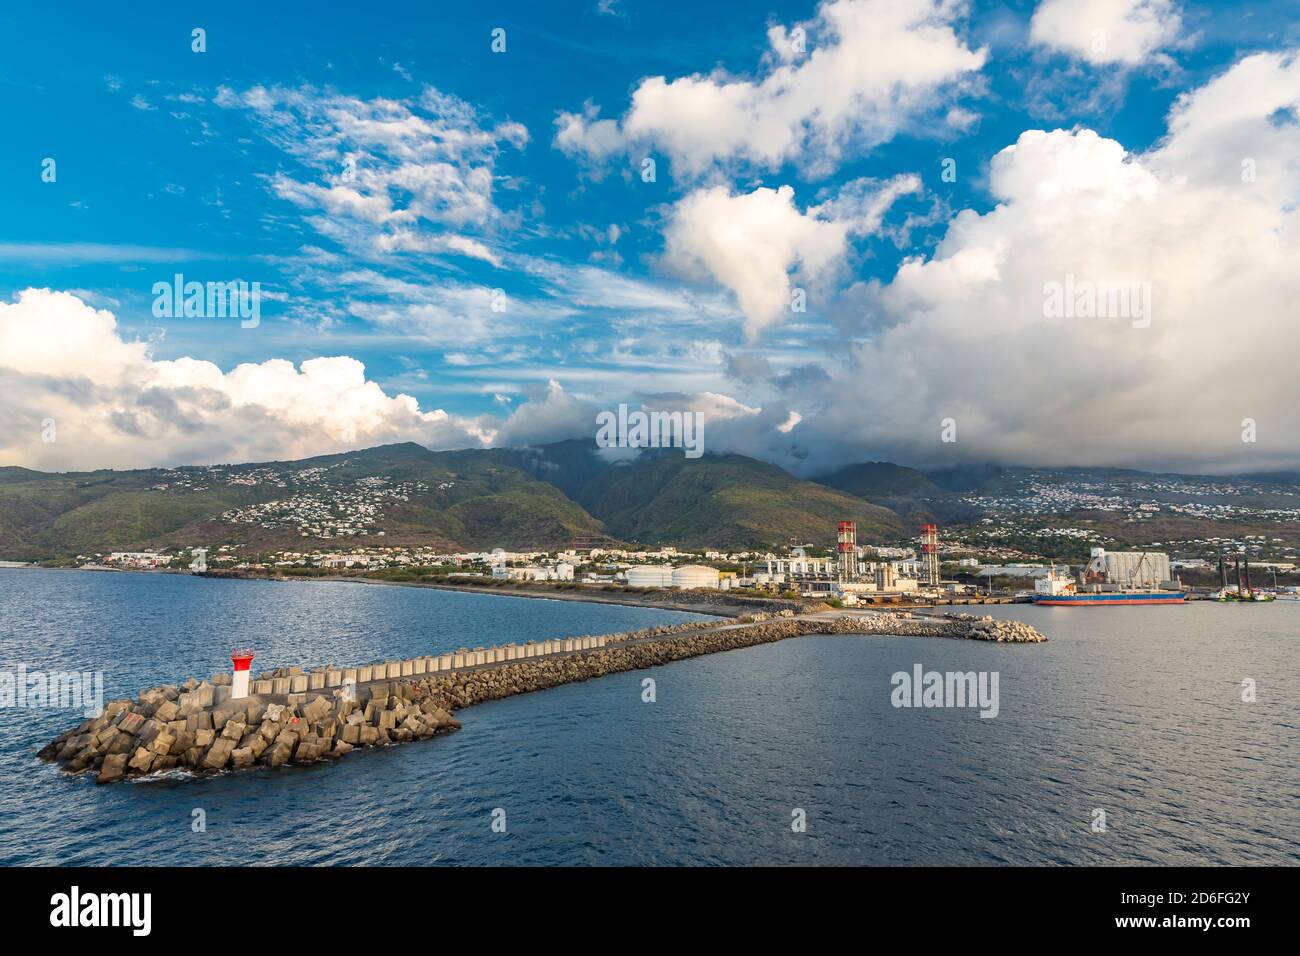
column 568, row 493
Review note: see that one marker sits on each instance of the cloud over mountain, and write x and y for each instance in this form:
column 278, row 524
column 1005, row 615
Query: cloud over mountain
column 112, row 405
column 1208, row 222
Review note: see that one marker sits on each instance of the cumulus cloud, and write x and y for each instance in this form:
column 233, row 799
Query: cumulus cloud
column 1208, row 220
column 549, row 414
column 864, row 70
column 1125, row 32
column 113, row 405
column 754, row 243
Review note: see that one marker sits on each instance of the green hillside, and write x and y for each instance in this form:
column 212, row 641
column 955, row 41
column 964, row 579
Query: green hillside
column 724, row 501
column 880, row 479
column 413, row 496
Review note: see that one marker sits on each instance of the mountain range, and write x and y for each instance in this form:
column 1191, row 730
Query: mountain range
column 569, row 492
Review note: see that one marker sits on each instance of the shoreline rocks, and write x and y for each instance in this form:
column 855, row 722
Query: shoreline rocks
column 180, row 727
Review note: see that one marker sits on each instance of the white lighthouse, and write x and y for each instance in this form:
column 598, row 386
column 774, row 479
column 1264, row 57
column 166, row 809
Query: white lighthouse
column 239, row 683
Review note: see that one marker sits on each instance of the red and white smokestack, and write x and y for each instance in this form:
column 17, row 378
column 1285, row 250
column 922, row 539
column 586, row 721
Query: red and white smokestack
column 239, row 683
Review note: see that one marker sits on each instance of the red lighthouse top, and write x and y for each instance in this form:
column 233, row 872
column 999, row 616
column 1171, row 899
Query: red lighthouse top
column 241, row 658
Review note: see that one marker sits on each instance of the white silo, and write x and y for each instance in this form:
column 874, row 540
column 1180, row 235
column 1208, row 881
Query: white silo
column 695, row 576
column 650, row 576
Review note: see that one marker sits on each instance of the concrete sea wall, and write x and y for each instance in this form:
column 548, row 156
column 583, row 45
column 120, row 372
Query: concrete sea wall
column 303, row 717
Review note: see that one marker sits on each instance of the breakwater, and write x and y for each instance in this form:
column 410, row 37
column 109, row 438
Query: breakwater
column 297, row 717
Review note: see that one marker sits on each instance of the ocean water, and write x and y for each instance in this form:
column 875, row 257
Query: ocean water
column 1136, row 712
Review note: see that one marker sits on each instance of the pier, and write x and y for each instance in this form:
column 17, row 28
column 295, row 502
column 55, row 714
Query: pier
column 301, row 717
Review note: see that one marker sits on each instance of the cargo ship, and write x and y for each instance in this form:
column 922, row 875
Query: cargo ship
column 1111, row 580
column 1108, row 598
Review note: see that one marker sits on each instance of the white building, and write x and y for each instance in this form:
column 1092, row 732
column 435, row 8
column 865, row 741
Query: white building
column 138, row 559
column 798, row 563
column 563, row 571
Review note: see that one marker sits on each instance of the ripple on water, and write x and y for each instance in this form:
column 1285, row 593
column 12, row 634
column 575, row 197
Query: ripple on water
column 1134, row 711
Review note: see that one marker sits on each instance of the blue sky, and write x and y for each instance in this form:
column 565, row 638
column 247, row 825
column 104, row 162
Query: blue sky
column 230, row 164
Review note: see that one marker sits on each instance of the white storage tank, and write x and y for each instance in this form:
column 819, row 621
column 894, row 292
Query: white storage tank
column 695, row 576
column 650, row 576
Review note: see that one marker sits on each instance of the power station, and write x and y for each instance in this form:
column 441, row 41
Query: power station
column 847, row 554
column 930, row 555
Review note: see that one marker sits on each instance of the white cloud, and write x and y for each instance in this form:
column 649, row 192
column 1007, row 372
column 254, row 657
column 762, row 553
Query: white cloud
column 870, row 69
column 1209, row 219
column 407, row 175
column 549, row 414
column 80, row 252
column 113, row 405
column 1127, row 32
column 755, row 243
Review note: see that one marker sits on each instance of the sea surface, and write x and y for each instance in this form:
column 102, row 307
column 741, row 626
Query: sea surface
column 1135, row 712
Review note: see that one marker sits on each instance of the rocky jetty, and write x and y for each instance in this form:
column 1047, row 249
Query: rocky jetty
column 187, row 727
column 162, row 731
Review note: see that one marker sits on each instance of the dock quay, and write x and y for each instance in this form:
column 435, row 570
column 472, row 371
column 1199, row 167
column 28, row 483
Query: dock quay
column 292, row 716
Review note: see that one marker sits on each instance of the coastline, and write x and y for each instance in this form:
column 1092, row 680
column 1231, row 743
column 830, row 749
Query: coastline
column 712, row 603
column 715, row 608
column 695, row 601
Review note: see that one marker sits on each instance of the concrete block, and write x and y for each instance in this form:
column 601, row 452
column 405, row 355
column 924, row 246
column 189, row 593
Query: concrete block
column 457, row 660
column 333, row 677
column 350, row 673
column 298, row 684
column 394, row 669
column 263, row 687
column 221, row 694
column 219, row 755
column 280, row 685
column 142, row 760
column 420, row 666
column 365, row 674
column 444, row 662
column 200, row 696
